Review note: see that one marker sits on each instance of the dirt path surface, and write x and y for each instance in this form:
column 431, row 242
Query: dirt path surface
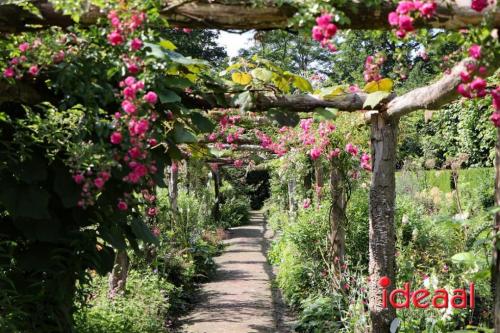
column 240, row 299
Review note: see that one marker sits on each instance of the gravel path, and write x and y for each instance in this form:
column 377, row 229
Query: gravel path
column 240, row 299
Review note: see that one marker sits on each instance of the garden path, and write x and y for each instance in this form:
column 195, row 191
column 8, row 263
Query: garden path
column 241, row 299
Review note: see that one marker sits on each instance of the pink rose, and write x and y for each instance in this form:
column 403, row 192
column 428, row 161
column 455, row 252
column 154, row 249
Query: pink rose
column 464, row 90
column 133, row 68
column 9, row 72
column 324, row 20
column 78, row 178
column 351, row 149
column 317, row 33
column 495, row 94
column 58, row 57
column 116, row 138
column 136, row 44
column 404, row 7
column 495, row 119
column 475, row 51
column 122, row 205
column 130, row 80
column 406, row 23
column 428, row 9
column 99, row 182
column 24, row 47
column 479, row 5
column 315, row 153
column 34, row 70
column 115, row 38
column 151, row 97
column 465, row 76
column 307, row 203
column 330, row 30
column 478, row 84
column 129, row 107
column 393, row 19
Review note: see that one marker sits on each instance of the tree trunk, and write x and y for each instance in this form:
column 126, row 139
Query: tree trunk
column 337, row 215
column 319, row 182
column 216, row 209
column 173, row 189
column 118, row 276
column 382, row 232
column 292, row 201
column 496, row 249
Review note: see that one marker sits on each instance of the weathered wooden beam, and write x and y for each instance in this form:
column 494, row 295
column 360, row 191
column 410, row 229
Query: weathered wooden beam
column 434, row 95
column 246, row 15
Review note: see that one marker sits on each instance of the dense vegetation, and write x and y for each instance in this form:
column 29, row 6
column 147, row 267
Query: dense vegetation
column 128, row 147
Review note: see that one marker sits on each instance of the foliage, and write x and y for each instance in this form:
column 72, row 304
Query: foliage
column 144, row 308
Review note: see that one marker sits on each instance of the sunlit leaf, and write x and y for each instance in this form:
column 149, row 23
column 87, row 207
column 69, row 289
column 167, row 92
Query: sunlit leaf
column 374, row 99
column 381, row 85
column 166, row 44
column 302, row 84
column 262, row 74
column 242, row 78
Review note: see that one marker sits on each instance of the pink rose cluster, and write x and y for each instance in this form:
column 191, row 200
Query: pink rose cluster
column 373, row 65
column 26, row 61
column 407, row 12
column 324, row 31
column 228, row 132
column 474, row 85
column 91, row 183
column 122, row 28
column 132, row 137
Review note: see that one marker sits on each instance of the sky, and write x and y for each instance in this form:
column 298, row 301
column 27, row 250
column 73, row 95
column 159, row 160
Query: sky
column 232, row 42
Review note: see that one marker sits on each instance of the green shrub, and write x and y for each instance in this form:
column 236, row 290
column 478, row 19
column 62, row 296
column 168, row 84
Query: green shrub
column 235, row 207
column 143, row 309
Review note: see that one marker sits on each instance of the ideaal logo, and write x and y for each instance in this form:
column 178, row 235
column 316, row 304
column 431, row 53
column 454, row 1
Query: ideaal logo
column 439, row 298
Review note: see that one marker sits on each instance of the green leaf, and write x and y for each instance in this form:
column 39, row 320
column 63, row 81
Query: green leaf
column 244, row 101
column 325, row 113
column 302, row 84
column 166, row 44
column 202, row 123
column 262, row 74
column 328, row 93
column 373, row 99
column 168, row 96
column 154, row 50
column 65, row 187
column 180, row 59
column 182, row 135
column 142, row 231
column 465, row 258
column 24, row 200
column 112, row 234
column 176, row 82
column 34, row 169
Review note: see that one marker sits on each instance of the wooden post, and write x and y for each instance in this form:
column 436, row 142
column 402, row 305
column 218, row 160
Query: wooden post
column 382, row 243
column 173, row 189
column 216, row 208
column 337, row 214
column 118, row 276
column 292, row 201
column 319, row 179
